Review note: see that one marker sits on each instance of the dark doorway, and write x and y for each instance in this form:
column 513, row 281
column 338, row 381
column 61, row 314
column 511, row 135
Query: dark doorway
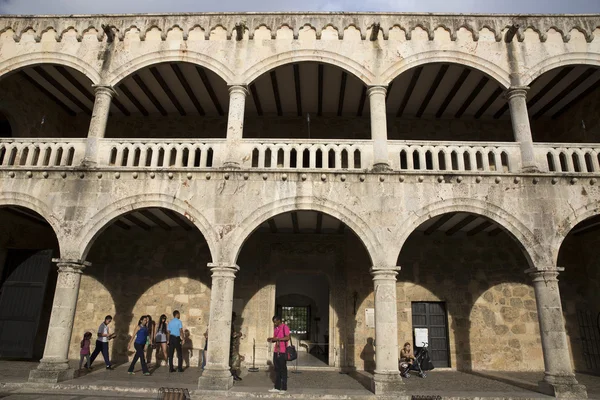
column 432, row 316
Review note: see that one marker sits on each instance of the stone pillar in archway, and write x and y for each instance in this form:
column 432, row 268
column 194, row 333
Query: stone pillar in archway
column 97, row 130
column 235, row 125
column 54, row 367
column 517, row 102
column 216, row 375
column 387, row 375
column 379, row 127
column 559, row 378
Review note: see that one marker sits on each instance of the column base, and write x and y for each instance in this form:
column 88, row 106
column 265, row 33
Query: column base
column 51, row 372
column 387, row 383
column 530, row 170
column 381, row 167
column 231, row 165
column 215, row 380
column 562, row 387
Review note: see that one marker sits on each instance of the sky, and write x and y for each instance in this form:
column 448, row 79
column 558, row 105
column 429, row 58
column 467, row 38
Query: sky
column 163, row 6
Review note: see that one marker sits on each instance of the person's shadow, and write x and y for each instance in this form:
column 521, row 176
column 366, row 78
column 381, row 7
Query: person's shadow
column 368, row 355
column 188, row 348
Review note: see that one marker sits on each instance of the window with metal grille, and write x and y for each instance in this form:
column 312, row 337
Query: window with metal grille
column 297, row 319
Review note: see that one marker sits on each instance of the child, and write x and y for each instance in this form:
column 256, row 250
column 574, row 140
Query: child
column 406, row 360
column 85, row 350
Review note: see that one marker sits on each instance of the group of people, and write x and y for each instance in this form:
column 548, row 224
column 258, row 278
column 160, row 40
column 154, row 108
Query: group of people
column 168, row 336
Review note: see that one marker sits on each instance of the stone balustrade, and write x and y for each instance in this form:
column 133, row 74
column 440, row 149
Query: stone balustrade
column 568, row 157
column 41, row 153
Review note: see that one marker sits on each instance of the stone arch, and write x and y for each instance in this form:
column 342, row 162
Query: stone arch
column 336, row 210
column 148, row 59
column 567, row 225
column 448, row 56
column 49, row 57
column 102, row 220
column 561, row 60
column 324, row 56
column 519, row 232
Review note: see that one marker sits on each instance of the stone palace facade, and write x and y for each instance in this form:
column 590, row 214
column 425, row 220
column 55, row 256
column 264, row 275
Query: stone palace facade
column 364, row 174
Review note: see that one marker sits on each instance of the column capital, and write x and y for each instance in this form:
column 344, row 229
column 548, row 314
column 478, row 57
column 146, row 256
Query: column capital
column 224, row 270
column 105, row 89
column 384, row 272
column 376, row 89
column 238, row 89
column 74, row 266
column 516, row 91
column 544, row 274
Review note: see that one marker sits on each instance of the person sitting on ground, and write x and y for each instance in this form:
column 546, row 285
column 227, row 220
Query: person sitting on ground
column 406, row 360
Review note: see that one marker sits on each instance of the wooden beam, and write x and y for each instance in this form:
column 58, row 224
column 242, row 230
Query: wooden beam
column 295, row 225
column 362, row 101
column 479, row 228
column 482, row 82
column 254, row 93
column 136, row 221
column 49, row 94
column 298, row 92
column 438, row 224
column 179, row 220
column 436, row 82
column 461, row 79
column 86, row 93
column 50, row 79
column 342, row 93
column 565, row 92
column 167, row 90
column 272, row 225
column 495, row 232
column 461, row 224
column 187, row 88
column 409, row 90
column 148, row 214
column 149, row 94
column 488, row 103
column 122, row 225
column 275, row 87
column 549, row 86
column 577, row 99
column 210, row 90
column 319, row 228
column 501, row 111
column 320, row 91
column 133, row 99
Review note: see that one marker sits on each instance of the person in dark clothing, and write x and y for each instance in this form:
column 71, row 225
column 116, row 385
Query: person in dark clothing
column 281, row 335
column 176, row 339
column 139, row 339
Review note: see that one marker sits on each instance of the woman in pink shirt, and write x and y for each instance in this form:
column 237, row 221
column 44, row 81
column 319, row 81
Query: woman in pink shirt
column 281, row 335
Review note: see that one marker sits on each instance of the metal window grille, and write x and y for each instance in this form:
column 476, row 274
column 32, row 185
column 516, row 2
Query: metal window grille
column 297, row 318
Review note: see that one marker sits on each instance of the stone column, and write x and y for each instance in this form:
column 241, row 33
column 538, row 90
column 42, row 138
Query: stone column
column 104, row 95
column 559, row 378
column 517, row 102
column 387, row 376
column 54, row 367
column 235, row 126
column 217, row 375
column 379, row 127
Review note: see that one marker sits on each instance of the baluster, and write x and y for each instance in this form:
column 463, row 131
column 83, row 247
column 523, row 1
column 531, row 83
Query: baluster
column 30, row 153
column 155, row 154
column 179, row 148
column 448, row 159
column 262, row 150
column 131, row 154
column 410, row 160
column 581, row 158
column 274, row 151
column 435, row 158
column 569, row 157
column 595, row 163
column 313, row 157
column 351, row 157
column 203, row 155
column 422, row 158
column 498, row 161
column 460, row 158
column 338, row 156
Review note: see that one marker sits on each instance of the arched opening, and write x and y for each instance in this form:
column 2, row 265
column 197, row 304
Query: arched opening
column 170, row 100
column 313, row 269
column 149, row 261
column 27, row 282
column 579, row 285
column 463, row 282
column 46, row 101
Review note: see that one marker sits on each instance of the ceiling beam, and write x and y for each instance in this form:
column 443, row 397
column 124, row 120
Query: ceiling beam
column 298, row 92
column 49, row 94
column 148, row 214
column 501, row 111
column 319, row 228
column 122, row 225
column 461, row 79
column 438, row 224
column 409, row 90
column 272, row 225
column 565, row 92
column 577, row 99
column 50, row 79
column 549, row 86
column 320, row 91
column 295, row 225
column 342, row 93
column 482, row 82
column 179, row 220
column 493, row 97
column 495, row 232
column 210, row 90
column 436, row 82
column 461, row 224
column 275, row 87
column 22, row 214
column 187, row 88
column 63, row 71
column 362, row 101
column 136, row 221
column 149, row 94
column 479, row 228
column 167, row 90
column 133, row 99
column 256, row 99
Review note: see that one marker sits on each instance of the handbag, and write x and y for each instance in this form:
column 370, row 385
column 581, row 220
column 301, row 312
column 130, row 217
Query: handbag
column 291, row 352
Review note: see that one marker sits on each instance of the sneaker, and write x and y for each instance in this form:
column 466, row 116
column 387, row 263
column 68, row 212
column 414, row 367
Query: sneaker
column 146, row 373
column 274, row 390
column 179, row 370
column 110, row 367
column 131, row 373
column 171, row 370
column 282, row 391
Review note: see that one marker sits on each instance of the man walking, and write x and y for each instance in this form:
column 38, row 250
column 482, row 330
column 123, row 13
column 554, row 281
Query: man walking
column 176, row 339
column 104, row 336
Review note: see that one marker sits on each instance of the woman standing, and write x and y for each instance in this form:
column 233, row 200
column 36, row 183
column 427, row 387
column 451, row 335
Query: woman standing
column 139, row 336
column 162, row 337
column 150, row 341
